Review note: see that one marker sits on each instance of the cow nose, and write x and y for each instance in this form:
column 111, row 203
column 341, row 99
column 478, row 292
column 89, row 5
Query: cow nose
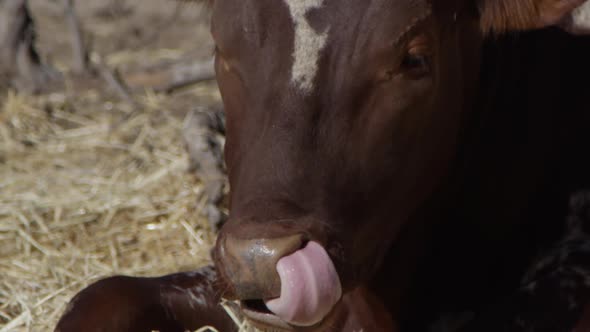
column 249, row 265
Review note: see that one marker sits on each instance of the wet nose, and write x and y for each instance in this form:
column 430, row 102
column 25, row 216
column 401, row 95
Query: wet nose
column 248, row 266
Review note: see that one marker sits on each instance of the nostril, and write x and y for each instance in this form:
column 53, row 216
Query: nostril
column 249, row 266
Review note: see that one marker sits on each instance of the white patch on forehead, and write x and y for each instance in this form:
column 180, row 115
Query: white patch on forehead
column 308, row 44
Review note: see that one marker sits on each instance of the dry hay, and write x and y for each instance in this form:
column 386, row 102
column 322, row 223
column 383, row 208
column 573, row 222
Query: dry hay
column 90, row 188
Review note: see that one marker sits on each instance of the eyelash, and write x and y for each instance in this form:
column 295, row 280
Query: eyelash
column 412, row 61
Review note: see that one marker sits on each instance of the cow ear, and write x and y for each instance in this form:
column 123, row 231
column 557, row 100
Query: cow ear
column 509, row 15
column 579, row 22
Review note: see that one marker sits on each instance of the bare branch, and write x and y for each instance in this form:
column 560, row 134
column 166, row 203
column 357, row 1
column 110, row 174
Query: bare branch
column 79, row 50
column 20, row 65
column 173, row 77
column 112, row 78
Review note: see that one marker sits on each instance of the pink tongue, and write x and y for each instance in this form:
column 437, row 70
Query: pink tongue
column 310, row 286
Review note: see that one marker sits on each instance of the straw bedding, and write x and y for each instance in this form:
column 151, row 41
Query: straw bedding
column 90, row 188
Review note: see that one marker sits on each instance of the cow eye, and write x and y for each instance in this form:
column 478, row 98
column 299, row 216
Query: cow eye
column 416, row 60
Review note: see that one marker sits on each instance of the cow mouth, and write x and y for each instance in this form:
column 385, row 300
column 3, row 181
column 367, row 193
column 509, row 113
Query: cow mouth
column 262, row 318
column 310, row 289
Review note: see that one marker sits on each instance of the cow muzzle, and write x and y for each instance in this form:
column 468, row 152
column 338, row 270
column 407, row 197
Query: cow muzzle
column 279, row 281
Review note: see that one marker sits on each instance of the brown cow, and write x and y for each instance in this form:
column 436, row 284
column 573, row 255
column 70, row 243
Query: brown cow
column 366, row 147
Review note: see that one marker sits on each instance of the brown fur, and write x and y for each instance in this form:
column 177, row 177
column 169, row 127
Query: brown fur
column 500, row 16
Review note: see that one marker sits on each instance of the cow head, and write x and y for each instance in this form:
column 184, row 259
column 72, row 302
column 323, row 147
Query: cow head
column 342, row 119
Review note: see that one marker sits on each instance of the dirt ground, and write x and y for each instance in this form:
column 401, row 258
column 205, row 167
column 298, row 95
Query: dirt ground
column 92, row 185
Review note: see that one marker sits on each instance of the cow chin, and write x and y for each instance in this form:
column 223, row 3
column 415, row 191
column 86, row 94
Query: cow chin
column 268, row 322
